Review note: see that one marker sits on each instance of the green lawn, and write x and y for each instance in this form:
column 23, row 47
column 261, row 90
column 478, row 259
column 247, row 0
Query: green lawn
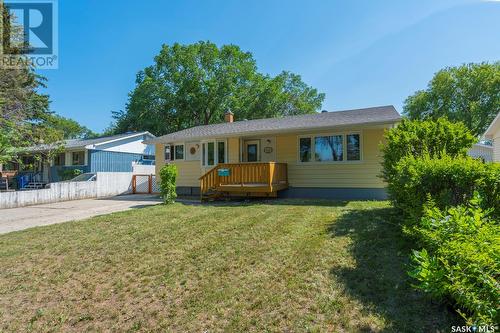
column 277, row 266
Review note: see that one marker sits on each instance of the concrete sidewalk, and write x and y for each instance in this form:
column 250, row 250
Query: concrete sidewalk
column 32, row 216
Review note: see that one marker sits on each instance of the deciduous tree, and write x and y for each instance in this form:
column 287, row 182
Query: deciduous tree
column 195, row 84
column 468, row 93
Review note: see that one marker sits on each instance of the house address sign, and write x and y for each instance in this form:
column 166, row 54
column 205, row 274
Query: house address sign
column 224, row 172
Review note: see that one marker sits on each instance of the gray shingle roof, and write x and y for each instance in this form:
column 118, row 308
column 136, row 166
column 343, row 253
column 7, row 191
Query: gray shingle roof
column 81, row 143
column 374, row 115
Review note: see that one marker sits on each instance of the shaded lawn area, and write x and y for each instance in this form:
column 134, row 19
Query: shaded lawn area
column 283, row 265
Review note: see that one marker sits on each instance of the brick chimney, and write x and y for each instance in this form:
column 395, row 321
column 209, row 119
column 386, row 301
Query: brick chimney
column 229, row 116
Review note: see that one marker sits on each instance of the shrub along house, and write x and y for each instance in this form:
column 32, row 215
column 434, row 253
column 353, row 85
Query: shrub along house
column 114, row 153
column 328, row 154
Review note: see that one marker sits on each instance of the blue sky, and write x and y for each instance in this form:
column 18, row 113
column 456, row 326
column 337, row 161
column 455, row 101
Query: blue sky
column 359, row 53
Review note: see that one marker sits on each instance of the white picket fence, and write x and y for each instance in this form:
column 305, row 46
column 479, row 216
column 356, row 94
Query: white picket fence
column 107, row 184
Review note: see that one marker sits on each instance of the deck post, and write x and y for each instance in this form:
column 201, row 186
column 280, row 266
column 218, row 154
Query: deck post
column 271, row 174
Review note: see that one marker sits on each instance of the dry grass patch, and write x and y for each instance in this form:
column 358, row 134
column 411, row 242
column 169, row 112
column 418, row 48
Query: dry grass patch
column 272, row 266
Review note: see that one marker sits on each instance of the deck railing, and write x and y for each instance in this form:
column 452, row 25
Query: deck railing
column 262, row 173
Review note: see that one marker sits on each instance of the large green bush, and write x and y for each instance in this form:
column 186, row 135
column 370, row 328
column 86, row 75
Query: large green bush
column 68, row 174
column 168, row 178
column 460, row 260
column 416, row 138
column 448, row 180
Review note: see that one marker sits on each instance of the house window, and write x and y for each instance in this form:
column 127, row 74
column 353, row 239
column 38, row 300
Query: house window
column 179, row 152
column 213, row 152
column 305, row 147
column 329, row 148
column 167, row 153
column 78, row 158
column 353, row 147
column 210, row 153
column 221, row 152
column 60, row 159
column 203, row 154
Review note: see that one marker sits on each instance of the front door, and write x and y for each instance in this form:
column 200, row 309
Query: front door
column 252, row 151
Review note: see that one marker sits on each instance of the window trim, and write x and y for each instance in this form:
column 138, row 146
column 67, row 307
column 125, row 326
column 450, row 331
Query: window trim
column 344, row 143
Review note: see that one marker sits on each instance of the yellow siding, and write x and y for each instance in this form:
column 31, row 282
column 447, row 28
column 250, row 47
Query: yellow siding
column 361, row 174
column 159, row 157
column 233, row 146
column 189, row 171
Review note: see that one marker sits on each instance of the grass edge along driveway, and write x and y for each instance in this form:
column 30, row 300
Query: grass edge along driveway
column 281, row 265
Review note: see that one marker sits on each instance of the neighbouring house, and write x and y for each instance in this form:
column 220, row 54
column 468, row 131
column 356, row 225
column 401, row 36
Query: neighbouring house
column 117, row 153
column 328, row 154
column 493, row 134
column 481, row 151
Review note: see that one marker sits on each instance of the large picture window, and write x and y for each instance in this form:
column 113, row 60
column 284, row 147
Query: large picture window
column 330, row 148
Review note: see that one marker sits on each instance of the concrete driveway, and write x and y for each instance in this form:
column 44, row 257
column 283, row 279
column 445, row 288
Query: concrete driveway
column 32, row 216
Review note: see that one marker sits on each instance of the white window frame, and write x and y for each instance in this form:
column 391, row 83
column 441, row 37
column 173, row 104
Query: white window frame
column 172, row 151
column 204, row 152
column 344, row 147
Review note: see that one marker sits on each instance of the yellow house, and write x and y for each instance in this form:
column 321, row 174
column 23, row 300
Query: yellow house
column 323, row 155
column 493, row 134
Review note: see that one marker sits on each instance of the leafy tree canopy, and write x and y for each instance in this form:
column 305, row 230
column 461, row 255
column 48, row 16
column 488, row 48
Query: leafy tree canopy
column 25, row 118
column 24, row 112
column 70, row 128
column 195, row 84
column 468, row 93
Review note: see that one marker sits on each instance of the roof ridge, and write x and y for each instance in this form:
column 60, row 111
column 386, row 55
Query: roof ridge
column 370, row 115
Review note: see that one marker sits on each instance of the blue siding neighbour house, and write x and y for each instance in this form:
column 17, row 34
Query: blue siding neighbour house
column 117, row 153
column 110, row 161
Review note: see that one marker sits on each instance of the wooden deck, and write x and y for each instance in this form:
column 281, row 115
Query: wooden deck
column 244, row 179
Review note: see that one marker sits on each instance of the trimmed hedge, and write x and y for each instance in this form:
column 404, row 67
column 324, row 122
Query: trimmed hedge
column 447, row 180
column 460, row 260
